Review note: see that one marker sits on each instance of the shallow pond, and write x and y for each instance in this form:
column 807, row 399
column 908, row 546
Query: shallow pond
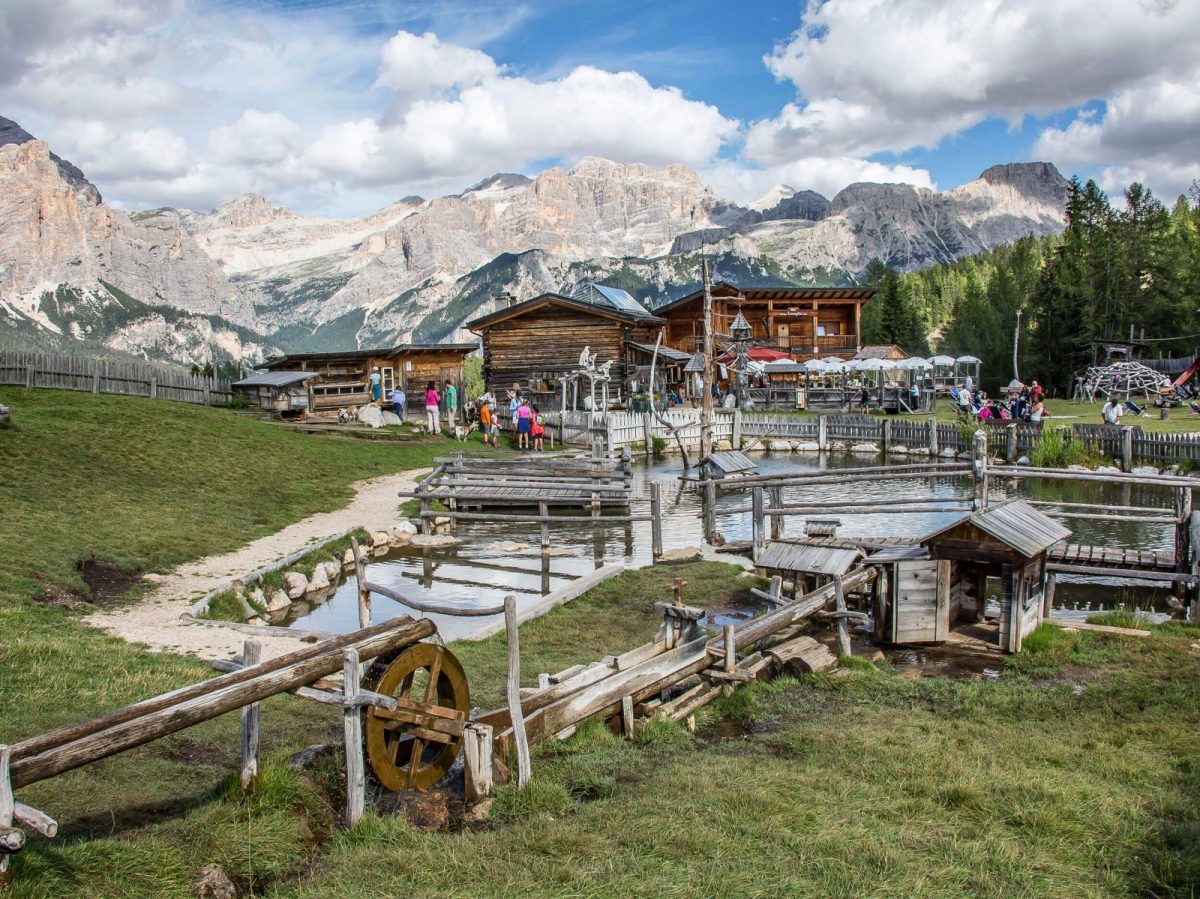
column 483, row 570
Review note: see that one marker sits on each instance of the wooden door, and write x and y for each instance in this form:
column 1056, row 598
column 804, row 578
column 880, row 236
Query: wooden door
column 921, row 612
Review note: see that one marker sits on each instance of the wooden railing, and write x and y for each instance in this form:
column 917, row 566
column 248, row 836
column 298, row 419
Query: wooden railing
column 121, row 378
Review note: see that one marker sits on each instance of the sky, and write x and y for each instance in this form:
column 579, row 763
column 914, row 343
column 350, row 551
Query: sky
column 339, row 108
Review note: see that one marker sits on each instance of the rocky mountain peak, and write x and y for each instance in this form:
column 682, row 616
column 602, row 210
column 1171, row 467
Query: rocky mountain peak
column 771, row 198
column 12, row 133
column 1038, row 180
column 498, row 183
column 250, row 210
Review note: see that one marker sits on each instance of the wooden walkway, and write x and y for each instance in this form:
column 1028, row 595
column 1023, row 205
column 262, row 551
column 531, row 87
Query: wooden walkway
column 1112, row 557
column 467, row 496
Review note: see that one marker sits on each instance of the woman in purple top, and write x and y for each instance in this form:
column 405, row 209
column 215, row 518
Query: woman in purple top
column 433, row 416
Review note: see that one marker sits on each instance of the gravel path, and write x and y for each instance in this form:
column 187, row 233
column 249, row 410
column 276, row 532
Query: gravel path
column 155, row 620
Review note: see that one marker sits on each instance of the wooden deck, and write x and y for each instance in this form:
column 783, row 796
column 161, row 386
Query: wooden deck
column 531, row 496
column 1112, row 557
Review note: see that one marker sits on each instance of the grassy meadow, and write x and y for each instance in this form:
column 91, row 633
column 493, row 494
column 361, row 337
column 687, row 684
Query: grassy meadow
column 1075, row 774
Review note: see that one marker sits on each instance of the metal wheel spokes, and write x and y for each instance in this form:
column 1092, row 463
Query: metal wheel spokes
column 414, row 745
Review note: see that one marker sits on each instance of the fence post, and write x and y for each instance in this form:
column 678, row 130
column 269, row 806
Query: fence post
column 656, row 546
column 885, row 435
column 154, row 388
column 7, row 808
column 477, row 771
column 516, row 713
column 933, row 437
column 352, row 732
column 710, row 511
column 756, row 518
column 29, row 376
column 777, row 525
column 544, row 525
column 207, row 394
column 979, row 455
column 843, row 626
column 822, row 433
column 736, row 439
column 251, row 655
column 1183, row 520
column 1011, row 449
column 648, row 433
column 96, row 381
column 1127, row 448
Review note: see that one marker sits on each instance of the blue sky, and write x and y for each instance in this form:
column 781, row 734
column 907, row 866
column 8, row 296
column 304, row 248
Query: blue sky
column 339, row 108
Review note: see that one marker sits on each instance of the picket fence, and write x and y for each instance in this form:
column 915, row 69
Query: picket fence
column 122, row 378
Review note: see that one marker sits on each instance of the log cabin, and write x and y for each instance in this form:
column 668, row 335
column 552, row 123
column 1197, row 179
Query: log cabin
column 342, row 376
column 804, row 322
column 937, row 588
column 536, row 342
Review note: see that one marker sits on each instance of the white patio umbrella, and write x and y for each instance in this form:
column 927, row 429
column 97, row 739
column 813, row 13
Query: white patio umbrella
column 942, row 360
column 968, row 360
column 913, row 362
column 871, row 365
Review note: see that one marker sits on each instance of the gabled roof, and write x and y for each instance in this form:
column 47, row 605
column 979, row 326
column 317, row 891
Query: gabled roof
column 729, row 462
column 808, row 558
column 881, row 351
column 724, row 290
column 1015, row 524
column 401, row 349
column 557, row 299
column 275, row 379
column 664, row 352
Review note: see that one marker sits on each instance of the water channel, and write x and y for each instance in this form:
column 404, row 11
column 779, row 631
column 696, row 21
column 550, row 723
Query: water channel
column 489, row 564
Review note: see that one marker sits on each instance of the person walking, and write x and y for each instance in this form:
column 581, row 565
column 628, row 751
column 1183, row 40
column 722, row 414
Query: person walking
column 399, row 400
column 451, row 394
column 375, row 386
column 433, row 416
column 524, row 424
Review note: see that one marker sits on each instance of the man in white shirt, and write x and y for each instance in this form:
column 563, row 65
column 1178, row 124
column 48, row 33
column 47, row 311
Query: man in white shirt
column 1112, row 411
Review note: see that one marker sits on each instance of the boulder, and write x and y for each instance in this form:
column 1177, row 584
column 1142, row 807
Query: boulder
column 213, row 883
column 257, row 598
column 348, row 558
column 256, row 621
column 277, row 601
column 779, row 446
column 295, row 584
column 806, row 446
column 380, row 539
column 401, row 537
column 312, row 756
column 435, row 541
column 948, row 453
column 1022, row 460
column 372, row 415
column 508, row 546
column 390, row 418
column 434, row 810
column 1108, row 469
column 682, row 554
column 864, row 448
column 722, row 446
column 319, row 581
column 333, row 571
column 838, row 445
column 1143, row 469
column 404, row 526
column 898, row 449
column 441, row 521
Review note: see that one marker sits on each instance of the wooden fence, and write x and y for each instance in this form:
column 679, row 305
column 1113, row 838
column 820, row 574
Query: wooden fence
column 122, row 378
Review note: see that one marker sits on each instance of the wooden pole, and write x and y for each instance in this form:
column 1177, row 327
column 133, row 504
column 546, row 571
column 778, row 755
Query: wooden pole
column 710, row 511
column 1183, row 520
column 352, row 729
column 778, row 525
column 1127, row 448
column 516, row 715
column 843, row 626
column 730, row 662
column 933, row 436
column 477, row 769
column 1047, row 595
column 648, row 431
column 656, row 541
column 544, row 525
column 757, row 522
column 706, row 406
column 823, row 433
column 979, row 468
column 627, row 715
column 7, row 806
column 251, row 655
column 364, row 594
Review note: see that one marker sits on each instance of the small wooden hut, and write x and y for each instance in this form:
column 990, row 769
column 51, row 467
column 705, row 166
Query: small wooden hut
column 937, row 588
column 284, row 393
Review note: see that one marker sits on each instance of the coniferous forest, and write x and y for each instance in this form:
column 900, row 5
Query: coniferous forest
column 1115, row 267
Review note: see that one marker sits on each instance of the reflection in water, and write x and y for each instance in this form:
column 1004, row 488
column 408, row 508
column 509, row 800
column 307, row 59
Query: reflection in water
column 476, row 572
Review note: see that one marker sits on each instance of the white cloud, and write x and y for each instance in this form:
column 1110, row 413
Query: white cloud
column 417, row 66
column 877, row 75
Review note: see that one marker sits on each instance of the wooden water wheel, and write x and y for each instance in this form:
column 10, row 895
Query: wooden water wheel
column 414, row 745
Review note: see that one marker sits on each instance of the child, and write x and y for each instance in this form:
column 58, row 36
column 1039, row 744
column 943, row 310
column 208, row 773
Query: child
column 536, row 430
column 485, row 419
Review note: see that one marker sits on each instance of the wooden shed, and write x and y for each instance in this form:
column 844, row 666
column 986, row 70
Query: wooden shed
column 538, row 341
column 937, row 589
column 342, row 377
column 285, row 393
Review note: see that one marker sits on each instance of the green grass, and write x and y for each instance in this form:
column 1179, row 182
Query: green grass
column 1123, row 617
column 1076, row 774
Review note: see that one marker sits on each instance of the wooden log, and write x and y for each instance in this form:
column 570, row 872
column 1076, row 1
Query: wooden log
column 685, row 706
column 7, row 807
column 251, row 655
column 916, row 469
column 802, row 655
column 597, row 519
column 777, row 523
column 477, row 766
column 656, row 540
column 1133, row 573
column 710, row 512
column 1058, row 474
column 439, row 608
column 730, row 649
column 757, row 522
column 134, row 725
column 544, row 524
column 1098, row 628
column 364, row 593
column 356, row 782
column 843, row 626
column 627, row 715
column 35, row 820
column 515, row 713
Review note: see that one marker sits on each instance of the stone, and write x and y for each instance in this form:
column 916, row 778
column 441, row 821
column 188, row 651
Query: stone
column 257, row 598
column 295, row 584
column 400, row 538
column 1108, row 469
column 779, row 446
column 722, row 446
column 319, row 581
column 1143, row 469
column 1022, row 460
column 213, row 883
column 348, row 558
column 864, row 448
column 256, row 621
column 333, row 571
column 898, row 449
column 312, row 756
column 380, row 539
column 435, row 541
column 508, row 546
column 1078, row 468
column 390, row 418
column 370, row 414
column 559, row 551
column 404, row 526
column 682, row 554
column 479, row 812
column 277, row 601
column 430, row 811
column 948, row 453
column 838, row 445
column 806, row 446
column 441, row 521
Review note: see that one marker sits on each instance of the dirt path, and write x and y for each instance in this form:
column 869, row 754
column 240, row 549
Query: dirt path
column 155, row 620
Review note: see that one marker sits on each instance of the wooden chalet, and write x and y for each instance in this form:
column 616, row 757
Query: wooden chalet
column 937, row 588
column 342, row 377
column 285, row 393
column 804, row 322
column 887, row 352
column 536, row 342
